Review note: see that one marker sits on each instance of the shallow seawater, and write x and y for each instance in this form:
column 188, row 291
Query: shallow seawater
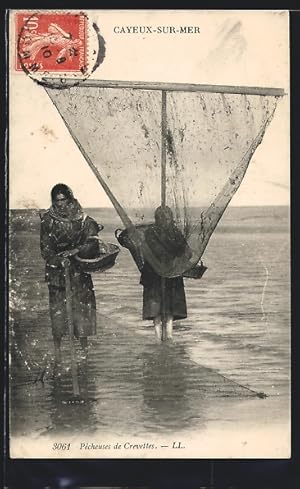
column 234, row 343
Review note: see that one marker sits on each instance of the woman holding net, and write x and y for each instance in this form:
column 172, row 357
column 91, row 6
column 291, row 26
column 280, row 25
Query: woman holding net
column 163, row 298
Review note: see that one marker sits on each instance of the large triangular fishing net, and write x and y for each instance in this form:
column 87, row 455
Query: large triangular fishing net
column 185, row 149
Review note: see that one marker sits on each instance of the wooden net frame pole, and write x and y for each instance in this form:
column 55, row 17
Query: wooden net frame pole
column 163, row 200
column 165, row 87
column 163, row 146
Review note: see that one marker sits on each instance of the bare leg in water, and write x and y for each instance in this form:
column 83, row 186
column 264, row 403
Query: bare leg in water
column 84, row 346
column 158, row 327
column 168, row 334
column 169, row 326
column 57, row 349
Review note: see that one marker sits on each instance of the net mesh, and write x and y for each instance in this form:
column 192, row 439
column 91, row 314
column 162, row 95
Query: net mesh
column 189, row 152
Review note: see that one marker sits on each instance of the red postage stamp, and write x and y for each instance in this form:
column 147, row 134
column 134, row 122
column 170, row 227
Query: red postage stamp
column 51, row 42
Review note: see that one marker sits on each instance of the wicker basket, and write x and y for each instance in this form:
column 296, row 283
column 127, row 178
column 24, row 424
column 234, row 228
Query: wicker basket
column 103, row 262
column 196, row 272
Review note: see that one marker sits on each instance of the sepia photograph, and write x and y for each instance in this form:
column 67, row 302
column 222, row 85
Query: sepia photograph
column 149, row 235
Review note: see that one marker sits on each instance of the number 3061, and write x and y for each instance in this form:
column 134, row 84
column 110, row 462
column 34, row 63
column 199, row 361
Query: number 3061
column 61, row 446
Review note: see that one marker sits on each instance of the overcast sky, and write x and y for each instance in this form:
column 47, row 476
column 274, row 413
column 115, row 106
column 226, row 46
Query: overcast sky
column 233, row 48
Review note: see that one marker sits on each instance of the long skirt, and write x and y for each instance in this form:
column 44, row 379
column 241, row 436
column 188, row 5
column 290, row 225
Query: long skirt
column 175, row 302
column 83, row 307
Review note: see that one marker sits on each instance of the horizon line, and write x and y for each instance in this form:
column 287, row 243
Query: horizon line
column 192, row 207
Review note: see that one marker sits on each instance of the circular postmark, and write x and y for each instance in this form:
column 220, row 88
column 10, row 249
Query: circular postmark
column 58, row 49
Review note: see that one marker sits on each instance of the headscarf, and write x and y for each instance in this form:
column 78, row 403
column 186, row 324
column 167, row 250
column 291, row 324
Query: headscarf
column 72, row 212
column 61, row 188
column 164, row 238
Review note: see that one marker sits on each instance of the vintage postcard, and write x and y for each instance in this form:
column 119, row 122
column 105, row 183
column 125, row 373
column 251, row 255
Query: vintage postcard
column 149, row 240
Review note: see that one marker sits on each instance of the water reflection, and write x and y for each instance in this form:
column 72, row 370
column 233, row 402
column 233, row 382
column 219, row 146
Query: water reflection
column 168, row 377
column 68, row 412
column 142, row 386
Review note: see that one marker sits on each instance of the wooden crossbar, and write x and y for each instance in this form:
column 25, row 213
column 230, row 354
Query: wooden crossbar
column 180, row 87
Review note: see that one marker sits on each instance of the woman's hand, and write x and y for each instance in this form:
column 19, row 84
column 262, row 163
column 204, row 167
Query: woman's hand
column 67, row 253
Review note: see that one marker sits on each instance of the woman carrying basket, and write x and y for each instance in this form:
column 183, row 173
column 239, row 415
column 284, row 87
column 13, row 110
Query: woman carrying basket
column 67, row 231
